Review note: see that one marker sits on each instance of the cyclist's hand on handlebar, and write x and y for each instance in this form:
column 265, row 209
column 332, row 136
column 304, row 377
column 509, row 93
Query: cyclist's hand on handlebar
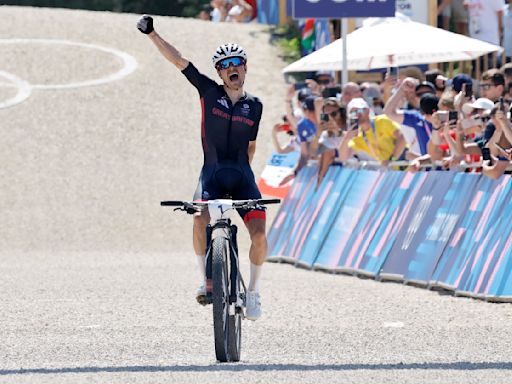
column 145, row 24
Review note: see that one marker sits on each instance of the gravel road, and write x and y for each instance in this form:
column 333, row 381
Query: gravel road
column 97, row 281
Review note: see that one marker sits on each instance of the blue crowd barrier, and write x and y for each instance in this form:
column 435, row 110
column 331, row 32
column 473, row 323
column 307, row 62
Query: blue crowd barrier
column 433, row 229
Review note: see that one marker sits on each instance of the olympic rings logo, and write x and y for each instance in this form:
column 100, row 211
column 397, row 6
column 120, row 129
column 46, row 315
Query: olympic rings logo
column 24, row 89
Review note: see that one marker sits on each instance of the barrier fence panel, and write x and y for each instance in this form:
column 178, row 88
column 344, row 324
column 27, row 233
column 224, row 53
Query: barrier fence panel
column 443, row 229
column 467, row 237
column 281, row 231
column 352, row 200
column 404, row 254
column 431, row 243
column 485, row 246
column 323, row 210
column 374, row 239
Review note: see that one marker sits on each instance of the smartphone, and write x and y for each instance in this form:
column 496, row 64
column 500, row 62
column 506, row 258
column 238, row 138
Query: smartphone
column 324, row 117
column 453, row 116
column 331, row 92
column 502, row 104
column 353, row 124
column 299, row 86
column 468, row 90
column 486, row 154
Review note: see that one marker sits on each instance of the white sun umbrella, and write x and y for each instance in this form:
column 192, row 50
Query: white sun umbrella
column 394, row 41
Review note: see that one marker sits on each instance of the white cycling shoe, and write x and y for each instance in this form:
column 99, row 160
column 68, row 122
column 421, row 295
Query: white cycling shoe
column 201, row 295
column 253, row 306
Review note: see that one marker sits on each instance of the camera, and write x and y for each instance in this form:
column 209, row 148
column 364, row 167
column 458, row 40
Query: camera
column 445, row 116
column 486, row 154
column 324, row 117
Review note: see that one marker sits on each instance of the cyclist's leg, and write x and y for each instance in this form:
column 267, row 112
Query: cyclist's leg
column 201, row 220
column 255, row 223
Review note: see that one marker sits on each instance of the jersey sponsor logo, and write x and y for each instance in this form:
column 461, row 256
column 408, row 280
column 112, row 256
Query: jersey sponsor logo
column 223, row 102
column 227, row 116
column 244, row 120
column 218, row 112
column 246, row 109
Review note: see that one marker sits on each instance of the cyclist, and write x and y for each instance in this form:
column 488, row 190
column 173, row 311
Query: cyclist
column 230, row 122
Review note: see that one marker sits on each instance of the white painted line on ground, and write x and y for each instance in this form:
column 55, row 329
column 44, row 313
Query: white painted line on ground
column 129, row 62
column 393, row 324
column 24, row 90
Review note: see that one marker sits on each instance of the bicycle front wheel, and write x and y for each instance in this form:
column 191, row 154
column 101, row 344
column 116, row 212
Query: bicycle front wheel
column 220, row 297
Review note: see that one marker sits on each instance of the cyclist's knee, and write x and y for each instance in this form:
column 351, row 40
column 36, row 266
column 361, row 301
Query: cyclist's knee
column 201, row 220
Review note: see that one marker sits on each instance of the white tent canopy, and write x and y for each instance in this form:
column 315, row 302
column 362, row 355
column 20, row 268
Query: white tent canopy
column 390, row 42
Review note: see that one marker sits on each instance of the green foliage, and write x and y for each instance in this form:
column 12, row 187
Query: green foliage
column 288, row 38
column 185, row 8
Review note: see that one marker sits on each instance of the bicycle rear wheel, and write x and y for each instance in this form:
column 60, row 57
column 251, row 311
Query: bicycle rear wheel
column 220, row 297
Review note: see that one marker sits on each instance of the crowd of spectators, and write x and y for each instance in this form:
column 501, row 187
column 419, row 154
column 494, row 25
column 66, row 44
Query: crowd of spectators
column 238, row 11
column 413, row 121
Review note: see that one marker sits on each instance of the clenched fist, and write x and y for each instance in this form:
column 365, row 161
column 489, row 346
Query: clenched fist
column 145, row 24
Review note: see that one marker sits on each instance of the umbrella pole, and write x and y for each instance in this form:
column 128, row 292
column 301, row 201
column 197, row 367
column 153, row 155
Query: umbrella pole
column 344, row 32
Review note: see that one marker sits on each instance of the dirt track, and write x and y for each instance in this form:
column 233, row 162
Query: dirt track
column 96, row 278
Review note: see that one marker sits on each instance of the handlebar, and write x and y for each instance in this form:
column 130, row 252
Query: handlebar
column 197, row 206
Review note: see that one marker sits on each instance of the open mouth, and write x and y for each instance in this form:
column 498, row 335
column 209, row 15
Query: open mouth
column 233, row 77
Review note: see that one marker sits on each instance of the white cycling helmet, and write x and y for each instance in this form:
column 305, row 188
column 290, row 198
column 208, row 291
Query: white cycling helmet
column 228, row 50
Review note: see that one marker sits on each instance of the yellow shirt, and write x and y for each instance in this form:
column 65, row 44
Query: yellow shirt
column 378, row 142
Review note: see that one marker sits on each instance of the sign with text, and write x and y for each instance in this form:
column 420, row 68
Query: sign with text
column 335, row 9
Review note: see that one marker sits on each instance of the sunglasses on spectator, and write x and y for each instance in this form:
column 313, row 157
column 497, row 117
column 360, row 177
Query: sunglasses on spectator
column 230, row 62
column 486, row 85
column 333, row 114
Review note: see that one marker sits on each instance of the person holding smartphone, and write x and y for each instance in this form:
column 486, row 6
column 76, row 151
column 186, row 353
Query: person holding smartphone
column 497, row 152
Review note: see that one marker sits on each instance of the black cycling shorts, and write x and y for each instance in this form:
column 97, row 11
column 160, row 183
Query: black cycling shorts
column 230, row 181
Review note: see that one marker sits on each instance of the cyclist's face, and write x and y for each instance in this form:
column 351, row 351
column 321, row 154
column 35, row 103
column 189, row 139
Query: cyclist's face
column 233, row 77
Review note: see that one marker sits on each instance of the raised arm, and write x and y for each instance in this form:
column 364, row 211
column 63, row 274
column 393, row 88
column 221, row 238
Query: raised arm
column 391, row 109
column 145, row 25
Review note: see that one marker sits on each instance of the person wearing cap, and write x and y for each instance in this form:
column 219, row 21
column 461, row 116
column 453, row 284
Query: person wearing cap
column 379, row 138
column 230, row 124
column 421, row 123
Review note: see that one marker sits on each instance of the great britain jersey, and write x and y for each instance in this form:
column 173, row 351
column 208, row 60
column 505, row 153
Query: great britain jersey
column 226, row 128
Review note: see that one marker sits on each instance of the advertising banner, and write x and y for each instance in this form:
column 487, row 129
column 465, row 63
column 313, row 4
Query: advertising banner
column 336, row 9
column 278, row 167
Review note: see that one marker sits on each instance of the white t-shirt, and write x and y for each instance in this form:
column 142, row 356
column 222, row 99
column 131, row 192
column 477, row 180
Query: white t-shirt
column 216, row 15
column 483, row 20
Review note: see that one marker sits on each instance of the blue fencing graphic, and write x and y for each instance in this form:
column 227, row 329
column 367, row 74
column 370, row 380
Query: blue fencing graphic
column 435, row 229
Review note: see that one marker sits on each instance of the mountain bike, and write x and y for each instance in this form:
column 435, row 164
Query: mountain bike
column 225, row 287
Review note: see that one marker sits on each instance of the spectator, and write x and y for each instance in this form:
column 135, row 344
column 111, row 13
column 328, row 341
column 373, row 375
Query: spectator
column 436, row 77
column 293, row 113
column 204, row 14
column 291, row 145
column 350, row 91
column 307, row 136
column 499, row 145
column 219, row 11
column 373, row 96
column 240, row 12
column 486, row 20
column 454, row 9
column 507, row 72
column 492, row 87
column 333, row 124
column 379, row 138
column 420, row 123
